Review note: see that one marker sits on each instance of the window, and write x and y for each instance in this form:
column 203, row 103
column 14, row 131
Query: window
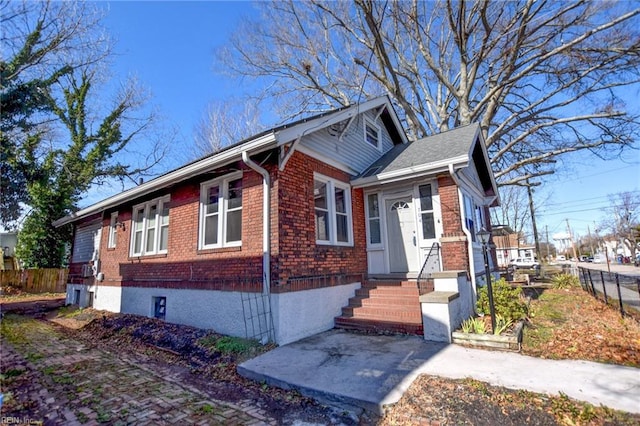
column 332, row 201
column 160, row 307
column 473, row 217
column 113, row 231
column 221, row 212
column 150, row 228
column 426, row 212
column 372, row 133
column 373, row 219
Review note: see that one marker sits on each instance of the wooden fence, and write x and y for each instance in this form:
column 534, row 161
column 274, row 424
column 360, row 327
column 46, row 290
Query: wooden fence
column 36, row 280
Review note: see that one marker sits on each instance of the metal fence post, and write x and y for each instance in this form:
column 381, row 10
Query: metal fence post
column 604, row 287
column 619, row 295
column 593, row 289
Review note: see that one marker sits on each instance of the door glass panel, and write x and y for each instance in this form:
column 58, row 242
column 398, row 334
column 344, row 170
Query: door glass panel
column 426, row 201
column 428, row 226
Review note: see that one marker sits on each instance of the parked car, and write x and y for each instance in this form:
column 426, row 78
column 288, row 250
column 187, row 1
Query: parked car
column 524, row 263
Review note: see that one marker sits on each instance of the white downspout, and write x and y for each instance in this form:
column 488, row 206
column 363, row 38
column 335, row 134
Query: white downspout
column 472, row 267
column 266, row 222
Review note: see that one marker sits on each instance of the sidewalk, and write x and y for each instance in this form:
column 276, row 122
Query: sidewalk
column 371, row 371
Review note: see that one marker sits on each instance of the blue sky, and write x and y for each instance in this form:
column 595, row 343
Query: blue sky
column 169, row 47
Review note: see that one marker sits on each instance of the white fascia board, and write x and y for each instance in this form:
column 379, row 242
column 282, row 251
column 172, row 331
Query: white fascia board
column 479, row 138
column 410, row 172
column 172, row 177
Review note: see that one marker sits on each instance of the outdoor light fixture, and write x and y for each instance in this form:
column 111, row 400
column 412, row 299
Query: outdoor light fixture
column 484, row 236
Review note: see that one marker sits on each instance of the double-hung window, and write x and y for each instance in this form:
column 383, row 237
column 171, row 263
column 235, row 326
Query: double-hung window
column 221, row 212
column 372, row 133
column 113, row 231
column 332, row 204
column 150, row 227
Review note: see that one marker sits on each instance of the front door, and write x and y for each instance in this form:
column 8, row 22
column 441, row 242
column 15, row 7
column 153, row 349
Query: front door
column 401, row 235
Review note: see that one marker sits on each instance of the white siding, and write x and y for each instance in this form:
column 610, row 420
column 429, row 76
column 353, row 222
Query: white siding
column 352, row 150
column 86, row 243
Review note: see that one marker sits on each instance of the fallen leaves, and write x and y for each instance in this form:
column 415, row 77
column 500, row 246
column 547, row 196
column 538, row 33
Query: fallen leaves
column 572, row 324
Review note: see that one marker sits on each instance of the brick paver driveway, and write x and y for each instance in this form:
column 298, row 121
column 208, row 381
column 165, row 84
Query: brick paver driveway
column 51, row 378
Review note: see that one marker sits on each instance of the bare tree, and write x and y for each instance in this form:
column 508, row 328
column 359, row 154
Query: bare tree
column 225, row 123
column 513, row 210
column 623, row 219
column 543, row 78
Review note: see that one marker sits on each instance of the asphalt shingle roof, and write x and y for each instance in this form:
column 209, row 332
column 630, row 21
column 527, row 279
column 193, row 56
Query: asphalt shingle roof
column 431, row 149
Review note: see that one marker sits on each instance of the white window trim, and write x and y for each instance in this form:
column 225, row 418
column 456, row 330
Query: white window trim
column 423, row 241
column 113, row 231
column 332, row 184
column 370, row 122
column 223, row 195
column 161, row 201
column 368, row 217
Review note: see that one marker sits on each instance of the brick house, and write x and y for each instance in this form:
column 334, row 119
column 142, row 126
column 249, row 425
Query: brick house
column 329, row 221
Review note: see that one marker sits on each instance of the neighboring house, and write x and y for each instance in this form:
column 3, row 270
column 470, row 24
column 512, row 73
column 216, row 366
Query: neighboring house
column 8, row 242
column 287, row 233
column 509, row 246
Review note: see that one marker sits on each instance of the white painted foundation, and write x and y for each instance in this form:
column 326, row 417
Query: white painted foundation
column 300, row 314
column 296, row 315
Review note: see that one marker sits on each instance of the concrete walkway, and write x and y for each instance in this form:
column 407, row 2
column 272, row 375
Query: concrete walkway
column 369, row 371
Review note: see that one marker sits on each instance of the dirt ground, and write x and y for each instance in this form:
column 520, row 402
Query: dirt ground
column 429, row 401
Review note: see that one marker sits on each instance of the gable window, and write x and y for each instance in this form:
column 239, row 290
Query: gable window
column 221, row 212
column 332, row 203
column 373, row 219
column 372, row 133
column 113, row 231
column 150, row 227
column 426, row 212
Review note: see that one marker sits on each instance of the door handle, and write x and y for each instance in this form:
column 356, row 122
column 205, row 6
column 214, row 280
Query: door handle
column 414, row 240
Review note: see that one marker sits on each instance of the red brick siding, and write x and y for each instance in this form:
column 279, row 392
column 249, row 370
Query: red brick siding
column 455, row 254
column 292, row 233
column 297, row 254
column 183, row 262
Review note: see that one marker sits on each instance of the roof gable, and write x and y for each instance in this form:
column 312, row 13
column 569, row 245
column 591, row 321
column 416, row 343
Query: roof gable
column 285, row 137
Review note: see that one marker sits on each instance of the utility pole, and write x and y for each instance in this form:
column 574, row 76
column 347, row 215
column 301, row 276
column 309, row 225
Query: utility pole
column 573, row 247
column 533, row 217
column 590, row 240
column 546, row 230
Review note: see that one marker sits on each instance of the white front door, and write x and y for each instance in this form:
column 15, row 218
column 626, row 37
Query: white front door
column 401, row 235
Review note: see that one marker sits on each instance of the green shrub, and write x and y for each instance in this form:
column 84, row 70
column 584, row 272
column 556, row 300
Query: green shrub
column 473, row 325
column 508, row 301
column 502, row 324
column 565, row 281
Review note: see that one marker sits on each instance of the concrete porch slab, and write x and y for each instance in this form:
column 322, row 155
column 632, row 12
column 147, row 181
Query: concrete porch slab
column 359, row 371
column 350, row 370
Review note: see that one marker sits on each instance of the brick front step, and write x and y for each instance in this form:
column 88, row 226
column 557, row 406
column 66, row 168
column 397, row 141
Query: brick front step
column 390, row 313
column 379, row 326
column 387, row 291
column 380, row 301
column 390, row 283
column 383, row 306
